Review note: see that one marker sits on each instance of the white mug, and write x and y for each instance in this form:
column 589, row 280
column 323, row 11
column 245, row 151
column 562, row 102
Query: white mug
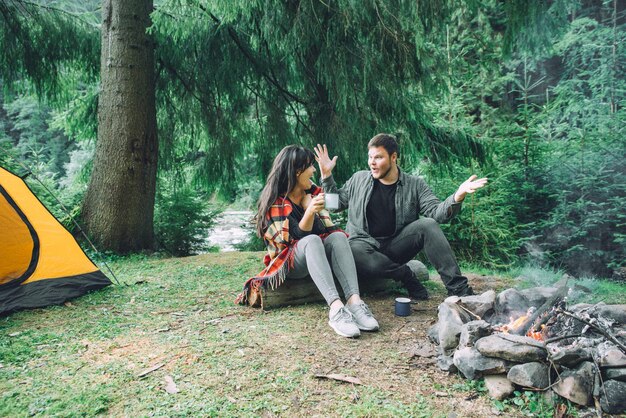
column 331, row 201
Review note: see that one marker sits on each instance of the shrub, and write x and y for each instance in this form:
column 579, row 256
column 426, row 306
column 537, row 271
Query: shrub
column 182, row 220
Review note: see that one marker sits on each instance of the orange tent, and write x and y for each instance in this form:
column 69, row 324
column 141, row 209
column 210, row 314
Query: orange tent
column 41, row 263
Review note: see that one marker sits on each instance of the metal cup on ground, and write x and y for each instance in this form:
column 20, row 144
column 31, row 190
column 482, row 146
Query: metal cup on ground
column 403, row 306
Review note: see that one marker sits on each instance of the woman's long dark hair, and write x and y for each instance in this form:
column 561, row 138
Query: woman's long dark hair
column 283, row 176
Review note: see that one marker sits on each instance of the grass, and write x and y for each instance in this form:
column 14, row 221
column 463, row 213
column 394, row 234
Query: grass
column 86, row 358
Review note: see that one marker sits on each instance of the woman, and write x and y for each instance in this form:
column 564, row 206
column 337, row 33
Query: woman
column 302, row 240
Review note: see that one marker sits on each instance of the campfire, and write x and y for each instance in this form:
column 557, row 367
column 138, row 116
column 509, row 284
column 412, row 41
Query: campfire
column 535, row 340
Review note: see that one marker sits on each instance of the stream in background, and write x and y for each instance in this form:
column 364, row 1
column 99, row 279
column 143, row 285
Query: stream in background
column 231, row 227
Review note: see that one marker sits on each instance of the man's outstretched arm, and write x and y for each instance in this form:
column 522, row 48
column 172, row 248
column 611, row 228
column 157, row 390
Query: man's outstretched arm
column 442, row 212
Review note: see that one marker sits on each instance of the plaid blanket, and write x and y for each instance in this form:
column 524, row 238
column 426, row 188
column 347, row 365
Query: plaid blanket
column 280, row 247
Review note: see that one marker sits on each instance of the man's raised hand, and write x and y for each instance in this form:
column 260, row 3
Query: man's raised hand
column 469, row 186
column 325, row 163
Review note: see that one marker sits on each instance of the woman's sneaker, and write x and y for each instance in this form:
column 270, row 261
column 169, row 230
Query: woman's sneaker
column 343, row 323
column 363, row 316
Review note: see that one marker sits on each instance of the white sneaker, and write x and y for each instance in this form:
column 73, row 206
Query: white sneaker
column 363, row 316
column 343, row 323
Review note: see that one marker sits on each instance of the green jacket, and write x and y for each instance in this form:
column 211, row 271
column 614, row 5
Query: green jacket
column 413, row 197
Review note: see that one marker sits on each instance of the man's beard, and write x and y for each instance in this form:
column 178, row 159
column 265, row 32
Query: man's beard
column 382, row 176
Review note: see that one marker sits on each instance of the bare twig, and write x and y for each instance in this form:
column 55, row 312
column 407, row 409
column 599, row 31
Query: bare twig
column 150, row 370
column 469, row 312
column 562, row 337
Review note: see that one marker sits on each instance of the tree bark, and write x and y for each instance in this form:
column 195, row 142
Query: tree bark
column 119, row 204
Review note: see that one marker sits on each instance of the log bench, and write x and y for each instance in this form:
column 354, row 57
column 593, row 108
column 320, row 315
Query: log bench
column 301, row 291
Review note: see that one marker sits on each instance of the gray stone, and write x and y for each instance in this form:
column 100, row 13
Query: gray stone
column 453, row 300
column 477, row 304
column 613, row 397
column 433, row 333
column 537, row 296
column 515, row 348
column 511, row 303
column 608, row 355
column 576, row 385
column 451, row 319
column 531, row 375
column 446, row 363
column 474, row 365
column 579, row 307
column 569, row 356
column 616, row 313
column 473, row 331
column 499, row 386
column 618, row 373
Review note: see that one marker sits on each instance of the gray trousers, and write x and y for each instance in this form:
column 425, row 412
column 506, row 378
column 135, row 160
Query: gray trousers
column 390, row 259
column 320, row 259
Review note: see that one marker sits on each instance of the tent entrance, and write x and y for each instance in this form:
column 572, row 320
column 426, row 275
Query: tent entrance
column 19, row 244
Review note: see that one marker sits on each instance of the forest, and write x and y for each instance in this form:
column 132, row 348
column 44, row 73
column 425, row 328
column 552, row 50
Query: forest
column 148, row 118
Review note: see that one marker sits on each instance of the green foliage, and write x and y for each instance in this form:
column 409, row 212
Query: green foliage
column 48, row 45
column 477, row 385
column 583, row 125
column 182, row 220
column 531, row 404
column 485, row 232
column 35, row 141
column 302, row 74
column 553, row 122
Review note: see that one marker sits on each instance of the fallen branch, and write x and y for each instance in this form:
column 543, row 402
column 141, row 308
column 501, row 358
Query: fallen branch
column 341, row 378
column 150, row 370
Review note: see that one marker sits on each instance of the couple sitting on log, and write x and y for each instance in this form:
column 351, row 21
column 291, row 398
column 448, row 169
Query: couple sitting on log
column 384, row 229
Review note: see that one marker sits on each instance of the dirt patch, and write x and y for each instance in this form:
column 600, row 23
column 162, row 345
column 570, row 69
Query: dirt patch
column 135, row 353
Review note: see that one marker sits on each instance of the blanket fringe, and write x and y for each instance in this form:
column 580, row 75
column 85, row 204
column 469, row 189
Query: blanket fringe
column 271, row 282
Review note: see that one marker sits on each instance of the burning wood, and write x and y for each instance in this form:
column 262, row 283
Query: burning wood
column 549, row 304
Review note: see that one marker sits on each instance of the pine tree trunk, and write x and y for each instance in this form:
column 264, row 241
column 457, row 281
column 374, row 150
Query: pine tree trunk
column 119, row 203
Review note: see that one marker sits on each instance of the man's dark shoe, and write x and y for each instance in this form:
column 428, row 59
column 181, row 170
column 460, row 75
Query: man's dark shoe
column 416, row 289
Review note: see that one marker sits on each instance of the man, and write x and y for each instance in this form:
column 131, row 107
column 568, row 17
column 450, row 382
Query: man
column 384, row 223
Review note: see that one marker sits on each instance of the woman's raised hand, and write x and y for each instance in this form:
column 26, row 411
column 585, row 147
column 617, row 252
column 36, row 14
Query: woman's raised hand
column 325, row 163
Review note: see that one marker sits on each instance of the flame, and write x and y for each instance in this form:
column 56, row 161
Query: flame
column 537, row 335
column 515, row 323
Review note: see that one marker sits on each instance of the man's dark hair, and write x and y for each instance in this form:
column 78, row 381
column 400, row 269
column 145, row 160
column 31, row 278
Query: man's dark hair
column 388, row 142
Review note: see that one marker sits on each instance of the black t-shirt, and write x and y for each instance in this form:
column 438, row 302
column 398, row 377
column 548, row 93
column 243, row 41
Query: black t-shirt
column 381, row 210
column 294, row 219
